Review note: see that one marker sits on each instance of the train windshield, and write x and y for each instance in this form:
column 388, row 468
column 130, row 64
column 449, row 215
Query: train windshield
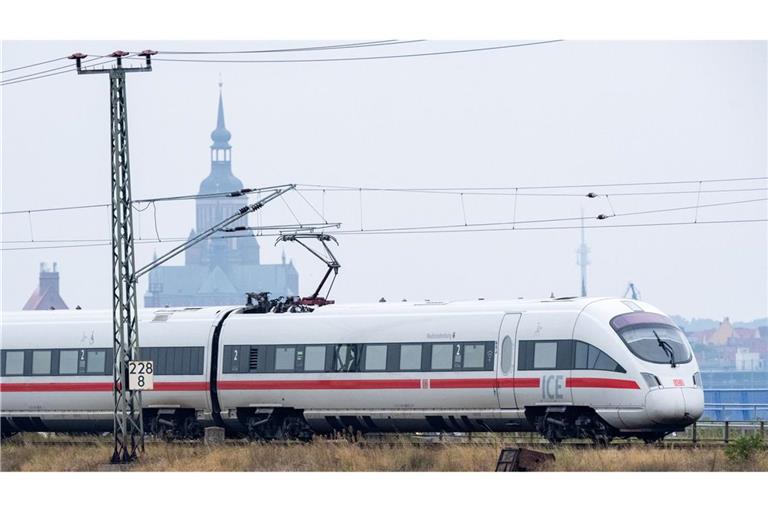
column 652, row 337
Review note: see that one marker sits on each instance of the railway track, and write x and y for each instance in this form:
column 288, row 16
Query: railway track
column 435, row 443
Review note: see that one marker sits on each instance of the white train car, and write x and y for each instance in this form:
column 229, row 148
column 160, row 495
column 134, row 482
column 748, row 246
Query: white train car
column 586, row 367
column 57, row 370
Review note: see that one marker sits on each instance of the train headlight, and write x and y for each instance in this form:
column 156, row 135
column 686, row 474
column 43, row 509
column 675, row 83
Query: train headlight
column 652, row 380
column 697, row 379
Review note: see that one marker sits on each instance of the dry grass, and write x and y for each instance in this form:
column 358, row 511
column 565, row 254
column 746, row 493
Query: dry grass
column 325, row 455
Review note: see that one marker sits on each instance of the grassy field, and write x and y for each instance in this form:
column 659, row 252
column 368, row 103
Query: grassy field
column 326, row 455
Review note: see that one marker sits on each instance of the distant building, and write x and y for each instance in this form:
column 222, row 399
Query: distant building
column 748, row 360
column 221, row 269
column 46, row 296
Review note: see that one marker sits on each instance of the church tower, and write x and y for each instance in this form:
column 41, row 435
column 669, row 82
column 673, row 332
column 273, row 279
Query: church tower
column 221, row 269
column 222, row 249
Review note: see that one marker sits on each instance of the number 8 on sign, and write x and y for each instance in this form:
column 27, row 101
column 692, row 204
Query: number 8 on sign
column 140, row 375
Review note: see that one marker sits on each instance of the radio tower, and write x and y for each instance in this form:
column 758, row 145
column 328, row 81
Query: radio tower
column 128, row 421
column 582, row 258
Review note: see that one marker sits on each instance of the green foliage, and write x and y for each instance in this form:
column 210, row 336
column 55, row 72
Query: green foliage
column 744, row 448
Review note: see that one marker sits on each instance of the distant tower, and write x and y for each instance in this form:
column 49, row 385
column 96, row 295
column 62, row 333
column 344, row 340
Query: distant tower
column 225, row 248
column 223, row 268
column 46, row 296
column 582, row 258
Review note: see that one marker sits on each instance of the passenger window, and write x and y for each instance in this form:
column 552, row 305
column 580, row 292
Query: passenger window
column 14, row 362
column 96, row 361
column 506, row 354
column 375, row 357
column 346, row 358
column 604, row 362
column 588, row 357
column 442, row 356
column 67, row 362
column 410, row 357
column 545, row 355
column 581, row 357
column 284, row 358
column 473, row 356
column 314, row 358
column 41, row 362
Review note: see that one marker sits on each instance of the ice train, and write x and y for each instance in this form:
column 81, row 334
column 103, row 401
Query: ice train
column 595, row 368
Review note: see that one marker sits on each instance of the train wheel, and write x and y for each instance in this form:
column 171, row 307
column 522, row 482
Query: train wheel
column 600, row 433
column 162, row 428
column 294, row 427
column 191, row 428
column 256, row 429
column 652, row 438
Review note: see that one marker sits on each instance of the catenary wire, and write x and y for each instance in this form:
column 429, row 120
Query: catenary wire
column 371, row 57
column 45, row 74
column 9, row 70
column 536, row 194
column 466, row 191
column 423, row 232
column 329, row 188
column 367, row 44
column 469, row 226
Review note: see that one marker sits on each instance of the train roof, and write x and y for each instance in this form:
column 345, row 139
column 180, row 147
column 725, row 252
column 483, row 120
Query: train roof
column 211, row 312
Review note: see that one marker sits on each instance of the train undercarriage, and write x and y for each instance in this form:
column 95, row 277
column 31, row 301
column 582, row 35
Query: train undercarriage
column 555, row 424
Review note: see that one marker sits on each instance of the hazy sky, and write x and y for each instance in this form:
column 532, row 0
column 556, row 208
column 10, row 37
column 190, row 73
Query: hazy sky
column 566, row 113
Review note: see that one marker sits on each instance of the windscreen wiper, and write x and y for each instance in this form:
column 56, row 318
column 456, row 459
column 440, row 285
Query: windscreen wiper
column 667, row 349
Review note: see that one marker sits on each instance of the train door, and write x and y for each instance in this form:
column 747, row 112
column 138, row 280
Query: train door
column 543, row 359
column 505, row 367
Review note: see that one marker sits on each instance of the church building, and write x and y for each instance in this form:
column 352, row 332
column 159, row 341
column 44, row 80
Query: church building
column 221, row 269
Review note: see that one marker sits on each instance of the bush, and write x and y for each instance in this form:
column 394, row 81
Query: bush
column 744, row 448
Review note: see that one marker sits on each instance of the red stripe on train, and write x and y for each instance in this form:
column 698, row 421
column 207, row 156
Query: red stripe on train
column 84, row 387
column 527, row 382
column 483, row 383
column 521, row 382
column 320, row 384
column 181, row 386
column 593, row 382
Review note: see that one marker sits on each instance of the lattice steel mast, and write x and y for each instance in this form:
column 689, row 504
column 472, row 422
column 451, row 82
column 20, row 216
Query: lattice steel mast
column 582, row 258
column 128, row 421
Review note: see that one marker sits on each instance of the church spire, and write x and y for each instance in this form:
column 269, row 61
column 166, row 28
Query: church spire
column 220, row 136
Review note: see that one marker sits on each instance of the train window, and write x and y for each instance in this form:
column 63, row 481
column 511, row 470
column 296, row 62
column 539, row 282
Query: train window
column 237, row 359
column 474, row 356
column 97, row 359
column 545, row 355
column 314, row 358
column 375, row 357
column 14, row 362
column 442, row 356
column 506, row 354
column 68, row 362
column 410, row 357
column 41, row 362
column 285, row 358
column 345, row 358
column 588, row 357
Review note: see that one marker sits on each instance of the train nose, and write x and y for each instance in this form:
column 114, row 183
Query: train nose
column 675, row 406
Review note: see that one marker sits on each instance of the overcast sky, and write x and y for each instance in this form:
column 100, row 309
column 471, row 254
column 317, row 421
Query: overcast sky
column 565, row 113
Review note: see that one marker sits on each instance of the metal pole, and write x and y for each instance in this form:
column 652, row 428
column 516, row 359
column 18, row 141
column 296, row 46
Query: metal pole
column 725, row 432
column 128, row 424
